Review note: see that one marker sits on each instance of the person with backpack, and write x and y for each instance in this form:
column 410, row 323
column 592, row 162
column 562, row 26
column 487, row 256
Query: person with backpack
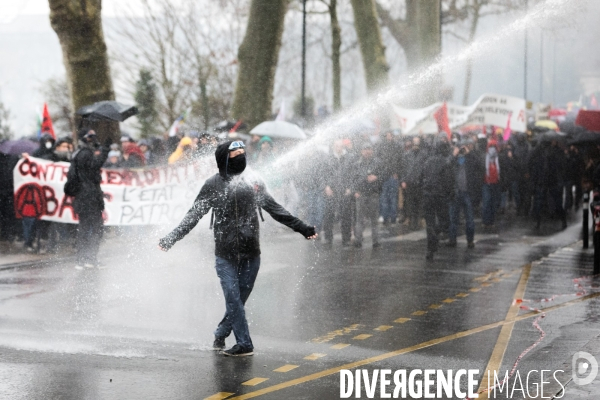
column 236, row 200
column 83, row 183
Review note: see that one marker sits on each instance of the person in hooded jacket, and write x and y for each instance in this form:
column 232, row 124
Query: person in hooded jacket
column 46, row 149
column 235, row 199
column 88, row 203
column 437, row 183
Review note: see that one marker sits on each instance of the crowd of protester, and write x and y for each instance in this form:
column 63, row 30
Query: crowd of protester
column 362, row 181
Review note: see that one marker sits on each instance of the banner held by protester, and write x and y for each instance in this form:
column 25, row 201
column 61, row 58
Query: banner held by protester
column 132, row 196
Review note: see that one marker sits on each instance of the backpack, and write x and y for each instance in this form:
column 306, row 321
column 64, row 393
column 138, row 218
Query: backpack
column 73, row 184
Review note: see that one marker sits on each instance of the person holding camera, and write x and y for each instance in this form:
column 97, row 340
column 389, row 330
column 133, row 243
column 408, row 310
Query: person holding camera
column 467, row 170
column 88, row 201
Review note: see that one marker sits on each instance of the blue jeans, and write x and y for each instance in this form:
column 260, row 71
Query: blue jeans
column 490, row 202
column 388, row 201
column 237, row 281
column 462, row 200
column 29, row 230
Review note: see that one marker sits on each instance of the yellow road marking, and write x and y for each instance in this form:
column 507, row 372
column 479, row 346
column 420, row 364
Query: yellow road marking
column 340, row 346
column 449, row 300
column 286, row 368
column 402, row 320
column 495, row 361
column 255, row 381
column 362, row 337
column 496, row 280
column 314, row 356
column 485, row 284
column 417, row 313
column 435, row 306
column 475, row 289
column 383, row 328
column 462, row 295
column 405, row 350
column 219, row 396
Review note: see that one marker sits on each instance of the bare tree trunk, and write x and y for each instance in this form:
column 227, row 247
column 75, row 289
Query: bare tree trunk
column 336, row 45
column 423, row 17
column 419, row 34
column 371, row 44
column 257, row 58
column 78, row 25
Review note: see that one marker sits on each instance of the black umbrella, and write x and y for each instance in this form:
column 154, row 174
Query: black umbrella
column 586, row 137
column 107, row 111
column 550, row 136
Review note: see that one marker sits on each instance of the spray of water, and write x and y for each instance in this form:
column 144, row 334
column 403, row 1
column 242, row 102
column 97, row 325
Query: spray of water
column 545, row 13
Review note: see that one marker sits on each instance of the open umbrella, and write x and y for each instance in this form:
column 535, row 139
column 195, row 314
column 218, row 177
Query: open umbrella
column 107, row 111
column 546, row 123
column 550, row 136
column 279, row 129
column 19, row 146
column 586, row 137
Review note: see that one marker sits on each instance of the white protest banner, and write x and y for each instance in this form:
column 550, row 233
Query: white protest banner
column 131, row 197
column 489, row 109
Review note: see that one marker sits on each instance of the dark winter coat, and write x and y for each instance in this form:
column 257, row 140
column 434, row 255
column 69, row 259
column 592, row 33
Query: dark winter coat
column 475, row 172
column 235, row 201
column 364, row 167
column 336, row 173
column 547, row 166
column 90, row 198
column 390, row 155
column 412, row 167
column 437, row 178
column 7, row 165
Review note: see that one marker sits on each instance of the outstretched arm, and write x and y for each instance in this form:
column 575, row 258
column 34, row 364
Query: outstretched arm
column 281, row 215
column 201, row 206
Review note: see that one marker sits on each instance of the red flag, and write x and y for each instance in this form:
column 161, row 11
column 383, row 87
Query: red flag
column 235, row 127
column 441, row 117
column 594, row 102
column 47, row 123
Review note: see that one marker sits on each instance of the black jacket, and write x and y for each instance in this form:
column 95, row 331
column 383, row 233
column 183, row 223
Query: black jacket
column 362, row 169
column 336, row 173
column 437, row 177
column 235, row 201
column 90, row 198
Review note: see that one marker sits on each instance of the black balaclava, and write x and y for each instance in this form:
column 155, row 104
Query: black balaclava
column 229, row 166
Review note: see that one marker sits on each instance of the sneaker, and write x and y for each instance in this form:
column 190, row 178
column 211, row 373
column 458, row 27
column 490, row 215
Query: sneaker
column 471, row 245
column 345, row 244
column 358, row 245
column 89, row 265
column 237, row 351
column 429, row 256
column 78, row 267
column 219, row 343
column 451, row 243
column 376, row 245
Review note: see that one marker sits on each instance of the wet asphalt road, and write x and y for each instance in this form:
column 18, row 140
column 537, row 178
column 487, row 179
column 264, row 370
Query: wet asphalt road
column 141, row 326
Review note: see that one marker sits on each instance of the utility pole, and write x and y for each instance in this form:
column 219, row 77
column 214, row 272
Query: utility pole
column 303, row 93
column 541, row 66
column 525, row 58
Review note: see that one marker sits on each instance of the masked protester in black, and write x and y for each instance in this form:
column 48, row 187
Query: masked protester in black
column 235, row 199
column 89, row 200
